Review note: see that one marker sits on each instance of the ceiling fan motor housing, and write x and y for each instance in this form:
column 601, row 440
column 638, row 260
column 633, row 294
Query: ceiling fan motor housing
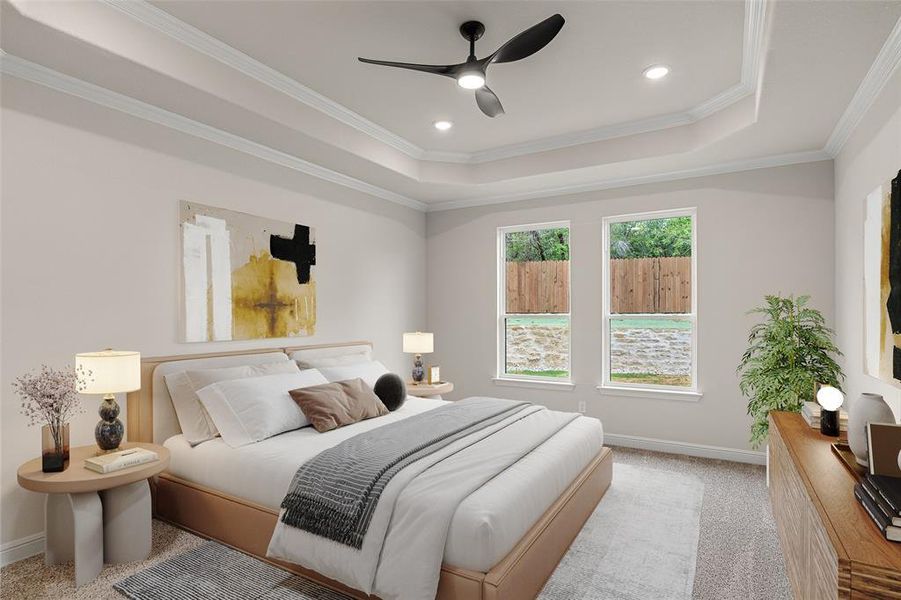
column 472, row 30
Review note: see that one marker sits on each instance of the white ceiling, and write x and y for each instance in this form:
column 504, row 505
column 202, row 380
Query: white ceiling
column 754, row 83
column 589, row 76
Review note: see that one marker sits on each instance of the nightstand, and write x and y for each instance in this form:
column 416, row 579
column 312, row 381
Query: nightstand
column 429, row 390
column 92, row 518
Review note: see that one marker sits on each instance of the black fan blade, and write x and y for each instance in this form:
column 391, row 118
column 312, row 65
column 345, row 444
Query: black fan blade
column 488, row 102
column 529, row 41
column 446, row 70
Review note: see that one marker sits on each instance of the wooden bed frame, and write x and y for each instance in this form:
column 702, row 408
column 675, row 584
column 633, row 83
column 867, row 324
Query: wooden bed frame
column 247, row 526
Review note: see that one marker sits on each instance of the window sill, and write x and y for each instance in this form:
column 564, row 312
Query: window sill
column 638, row 392
column 540, row 384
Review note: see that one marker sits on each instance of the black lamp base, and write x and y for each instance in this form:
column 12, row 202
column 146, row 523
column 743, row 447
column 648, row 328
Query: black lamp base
column 109, row 430
column 829, row 422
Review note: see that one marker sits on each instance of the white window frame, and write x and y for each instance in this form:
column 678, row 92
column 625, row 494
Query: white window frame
column 502, row 375
column 647, row 389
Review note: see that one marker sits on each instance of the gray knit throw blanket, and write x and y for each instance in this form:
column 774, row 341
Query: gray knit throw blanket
column 334, row 494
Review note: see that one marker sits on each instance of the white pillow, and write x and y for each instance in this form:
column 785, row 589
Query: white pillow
column 367, row 371
column 253, row 409
column 196, row 424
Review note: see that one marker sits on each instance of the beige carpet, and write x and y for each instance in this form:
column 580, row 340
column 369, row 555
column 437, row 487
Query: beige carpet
column 32, row 579
column 738, row 550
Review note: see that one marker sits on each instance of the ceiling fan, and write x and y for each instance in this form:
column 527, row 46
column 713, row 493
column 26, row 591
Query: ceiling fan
column 471, row 74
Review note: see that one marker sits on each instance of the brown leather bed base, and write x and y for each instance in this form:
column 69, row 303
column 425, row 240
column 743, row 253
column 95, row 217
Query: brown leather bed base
column 519, row 576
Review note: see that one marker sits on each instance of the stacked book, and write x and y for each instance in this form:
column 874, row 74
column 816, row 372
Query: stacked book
column 123, row 459
column 811, row 413
column 881, row 497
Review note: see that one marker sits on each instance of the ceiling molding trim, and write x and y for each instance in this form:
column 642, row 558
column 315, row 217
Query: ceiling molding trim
column 23, row 69
column 751, row 164
column 190, row 36
column 752, row 49
column 752, row 56
column 882, row 69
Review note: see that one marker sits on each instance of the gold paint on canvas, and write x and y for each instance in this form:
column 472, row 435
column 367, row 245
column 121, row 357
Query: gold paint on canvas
column 268, row 302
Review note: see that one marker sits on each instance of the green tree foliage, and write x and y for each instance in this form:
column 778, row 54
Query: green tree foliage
column 537, row 245
column 651, row 238
column 788, row 352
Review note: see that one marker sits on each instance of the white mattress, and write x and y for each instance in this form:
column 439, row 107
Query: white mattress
column 486, row 525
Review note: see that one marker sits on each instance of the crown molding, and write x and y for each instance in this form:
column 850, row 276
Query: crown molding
column 35, row 73
column 750, row 164
column 23, row 69
column 882, row 69
column 752, row 49
column 156, row 18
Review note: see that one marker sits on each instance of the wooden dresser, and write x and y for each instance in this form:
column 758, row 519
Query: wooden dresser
column 832, row 548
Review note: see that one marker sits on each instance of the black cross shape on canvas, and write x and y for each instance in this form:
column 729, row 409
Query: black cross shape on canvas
column 298, row 250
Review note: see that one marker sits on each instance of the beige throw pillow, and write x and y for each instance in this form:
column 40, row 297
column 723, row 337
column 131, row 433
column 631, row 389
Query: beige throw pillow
column 196, row 424
column 337, row 404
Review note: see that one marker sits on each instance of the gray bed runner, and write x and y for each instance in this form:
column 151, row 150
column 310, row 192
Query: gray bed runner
column 334, row 494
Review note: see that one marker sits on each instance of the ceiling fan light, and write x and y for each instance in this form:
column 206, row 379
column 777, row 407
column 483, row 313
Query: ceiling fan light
column 472, row 80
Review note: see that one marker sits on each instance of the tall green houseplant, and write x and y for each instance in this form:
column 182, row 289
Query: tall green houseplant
column 789, row 351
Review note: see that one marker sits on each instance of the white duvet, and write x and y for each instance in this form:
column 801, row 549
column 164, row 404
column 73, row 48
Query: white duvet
column 404, row 546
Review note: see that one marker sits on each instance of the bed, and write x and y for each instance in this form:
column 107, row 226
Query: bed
column 504, row 540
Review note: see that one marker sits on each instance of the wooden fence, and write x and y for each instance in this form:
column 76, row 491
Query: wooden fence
column 650, row 285
column 538, row 287
column 637, row 285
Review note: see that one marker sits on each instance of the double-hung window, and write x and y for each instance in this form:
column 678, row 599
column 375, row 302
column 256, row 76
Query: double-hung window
column 650, row 301
column 533, row 302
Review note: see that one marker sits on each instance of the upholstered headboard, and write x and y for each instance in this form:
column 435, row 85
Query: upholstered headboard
column 151, row 416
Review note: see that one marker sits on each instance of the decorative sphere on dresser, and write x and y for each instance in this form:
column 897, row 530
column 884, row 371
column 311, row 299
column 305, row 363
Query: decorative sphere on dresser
column 868, row 408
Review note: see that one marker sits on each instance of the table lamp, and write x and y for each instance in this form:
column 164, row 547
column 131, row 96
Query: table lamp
column 418, row 343
column 829, row 399
column 109, row 372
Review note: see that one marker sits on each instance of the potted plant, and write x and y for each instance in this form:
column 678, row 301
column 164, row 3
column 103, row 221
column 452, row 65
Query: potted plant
column 50, row 397
column 789, row 352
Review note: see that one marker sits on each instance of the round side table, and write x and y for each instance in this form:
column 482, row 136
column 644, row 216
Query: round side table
column 92, row 518
column 429, row 390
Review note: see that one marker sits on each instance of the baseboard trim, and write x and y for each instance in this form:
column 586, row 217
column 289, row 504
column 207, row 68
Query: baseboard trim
column 21, row 548
column 717, row 452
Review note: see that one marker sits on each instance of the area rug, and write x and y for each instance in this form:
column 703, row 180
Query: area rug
column 641, row 542
column 216, row 571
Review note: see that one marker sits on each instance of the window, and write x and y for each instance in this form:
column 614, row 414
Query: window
column 533, row 302
column 650, row 301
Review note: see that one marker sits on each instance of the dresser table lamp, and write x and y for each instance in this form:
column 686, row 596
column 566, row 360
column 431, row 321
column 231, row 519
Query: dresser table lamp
column 418, row 343
column 829, row 399
column 109, row 372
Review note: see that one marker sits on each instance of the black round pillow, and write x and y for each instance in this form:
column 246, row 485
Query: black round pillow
column 391, row 390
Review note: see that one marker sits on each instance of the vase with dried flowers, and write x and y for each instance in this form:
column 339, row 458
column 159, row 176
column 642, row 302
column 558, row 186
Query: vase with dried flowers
column 50, row 398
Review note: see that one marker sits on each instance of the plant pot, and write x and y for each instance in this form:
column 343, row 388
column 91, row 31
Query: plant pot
column 54, row 448
column 868, row 408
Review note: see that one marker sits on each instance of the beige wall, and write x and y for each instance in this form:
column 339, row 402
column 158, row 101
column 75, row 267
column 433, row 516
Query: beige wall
column 870, row 157
column 759, row 232
column 90, row 252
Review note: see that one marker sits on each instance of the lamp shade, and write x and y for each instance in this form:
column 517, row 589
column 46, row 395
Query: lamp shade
column 829, row 397
column 419, row 343
column 108, row 371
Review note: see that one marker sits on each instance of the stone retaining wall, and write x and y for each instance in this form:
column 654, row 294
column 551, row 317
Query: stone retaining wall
column 544, row 348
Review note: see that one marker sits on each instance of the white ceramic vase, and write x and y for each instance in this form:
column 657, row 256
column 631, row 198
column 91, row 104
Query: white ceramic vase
column 868, row 408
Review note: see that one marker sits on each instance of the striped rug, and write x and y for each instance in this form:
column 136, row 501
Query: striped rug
column 216, row 571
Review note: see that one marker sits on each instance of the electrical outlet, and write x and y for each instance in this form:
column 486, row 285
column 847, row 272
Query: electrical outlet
column 582, row 406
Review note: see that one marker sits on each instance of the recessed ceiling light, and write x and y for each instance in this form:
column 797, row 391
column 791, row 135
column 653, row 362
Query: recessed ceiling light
column 656, row 72
column 443, row 125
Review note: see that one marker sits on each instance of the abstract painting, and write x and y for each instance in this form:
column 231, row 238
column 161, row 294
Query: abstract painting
column 882, row 282
column 244, row 277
